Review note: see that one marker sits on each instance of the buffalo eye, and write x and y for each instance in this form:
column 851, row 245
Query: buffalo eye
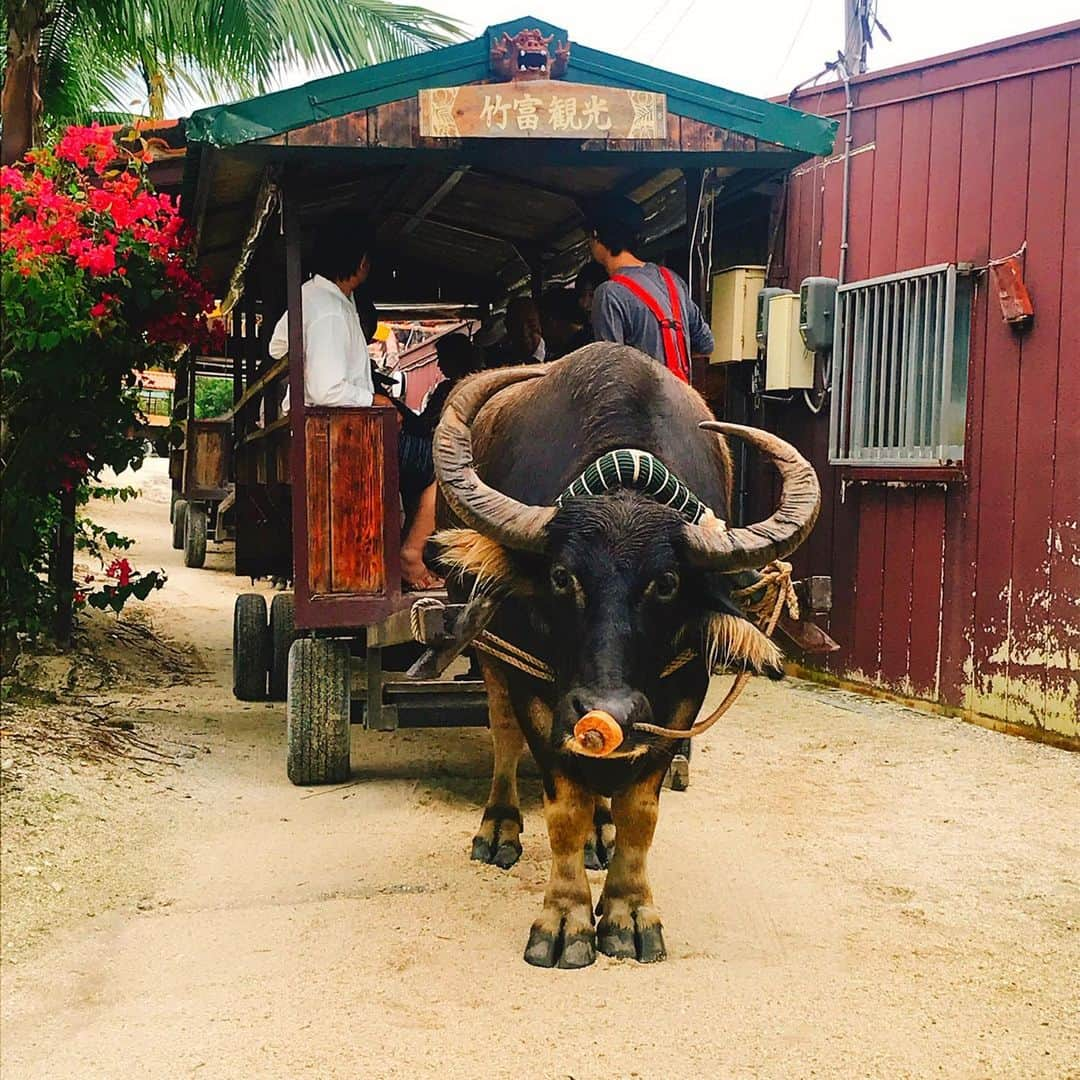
column 562, row 581
column 666, row 586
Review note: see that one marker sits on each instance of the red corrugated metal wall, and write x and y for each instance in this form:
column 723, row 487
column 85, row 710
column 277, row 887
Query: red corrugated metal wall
column 963, row 593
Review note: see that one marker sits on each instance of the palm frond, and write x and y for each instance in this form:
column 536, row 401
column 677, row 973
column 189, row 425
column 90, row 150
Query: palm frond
column 80, row 78
column 354, row 33
column 95, row 52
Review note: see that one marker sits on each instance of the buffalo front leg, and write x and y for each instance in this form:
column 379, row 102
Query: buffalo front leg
column 564, row 935
column 498, row 840
column 630, row 925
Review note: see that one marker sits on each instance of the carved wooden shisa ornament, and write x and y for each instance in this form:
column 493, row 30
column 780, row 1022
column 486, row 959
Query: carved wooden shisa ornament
column 527, row 55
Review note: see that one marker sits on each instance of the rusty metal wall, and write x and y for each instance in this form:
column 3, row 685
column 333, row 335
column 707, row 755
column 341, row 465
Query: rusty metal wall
column 963, row 593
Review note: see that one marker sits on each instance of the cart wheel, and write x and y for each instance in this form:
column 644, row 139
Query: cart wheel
column 251, row 647
column 174, row 498
column 318, row 712
column 195, row 535
column 282, row 635
column 179, row 520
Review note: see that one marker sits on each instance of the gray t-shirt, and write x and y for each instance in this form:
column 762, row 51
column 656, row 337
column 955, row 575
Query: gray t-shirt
column 618, row 315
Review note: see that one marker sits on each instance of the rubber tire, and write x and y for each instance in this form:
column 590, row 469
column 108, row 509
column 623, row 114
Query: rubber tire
column 251, row 647
column 195, row 536
column 174, row 498
column 317, row 712
column 282, row 635
column 179, row 521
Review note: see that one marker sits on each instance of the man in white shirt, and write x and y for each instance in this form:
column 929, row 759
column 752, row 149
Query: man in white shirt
column 337, row 368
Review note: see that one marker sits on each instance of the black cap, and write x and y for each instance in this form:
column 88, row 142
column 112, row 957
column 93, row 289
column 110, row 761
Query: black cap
column 615, row 210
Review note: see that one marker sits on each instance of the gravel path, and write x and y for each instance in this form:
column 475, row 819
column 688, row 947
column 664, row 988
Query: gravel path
column 848, row 889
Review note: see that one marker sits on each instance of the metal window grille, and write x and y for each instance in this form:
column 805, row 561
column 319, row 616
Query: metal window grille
column 900, row 368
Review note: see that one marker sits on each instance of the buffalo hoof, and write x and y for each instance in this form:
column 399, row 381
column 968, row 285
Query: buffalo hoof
column 562, row 939
column 631, row 934
column 600, row 847
column 498, row 842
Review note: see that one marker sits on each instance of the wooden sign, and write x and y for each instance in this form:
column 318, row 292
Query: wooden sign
column 542, row 110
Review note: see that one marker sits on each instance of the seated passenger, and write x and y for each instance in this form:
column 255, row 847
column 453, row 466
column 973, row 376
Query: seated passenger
column 457, row 358
column 524, row 342
column 590, row 277
column 562, row 321
column 337, row 368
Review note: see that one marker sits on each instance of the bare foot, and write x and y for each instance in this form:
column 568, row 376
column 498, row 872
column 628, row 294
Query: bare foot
column 415, row 575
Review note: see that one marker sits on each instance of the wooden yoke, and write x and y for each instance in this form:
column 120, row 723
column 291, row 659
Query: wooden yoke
column 344, row 471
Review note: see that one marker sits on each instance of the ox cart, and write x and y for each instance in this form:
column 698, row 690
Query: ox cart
column 200, row 463
column 475, row 172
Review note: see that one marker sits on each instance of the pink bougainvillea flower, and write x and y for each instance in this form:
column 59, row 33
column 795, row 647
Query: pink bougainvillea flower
column 120, row 569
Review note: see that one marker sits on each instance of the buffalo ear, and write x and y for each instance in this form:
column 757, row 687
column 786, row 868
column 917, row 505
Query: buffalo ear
column 483, row 564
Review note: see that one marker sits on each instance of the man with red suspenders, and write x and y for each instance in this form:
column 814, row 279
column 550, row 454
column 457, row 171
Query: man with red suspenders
column 642, row 304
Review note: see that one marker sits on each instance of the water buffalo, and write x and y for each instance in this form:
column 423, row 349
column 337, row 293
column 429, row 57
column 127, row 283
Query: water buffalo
column 601, row 594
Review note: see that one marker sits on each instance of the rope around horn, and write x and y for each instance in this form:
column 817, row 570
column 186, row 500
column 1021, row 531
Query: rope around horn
column 776, row 577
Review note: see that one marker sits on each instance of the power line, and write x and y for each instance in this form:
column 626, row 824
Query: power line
column 674, row 26
column 795, row 38
column 645, row 26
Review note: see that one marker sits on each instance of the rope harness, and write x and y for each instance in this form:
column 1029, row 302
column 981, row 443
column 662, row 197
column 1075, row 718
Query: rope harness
column 642, row 471
column 776, row 591
column 508, row 653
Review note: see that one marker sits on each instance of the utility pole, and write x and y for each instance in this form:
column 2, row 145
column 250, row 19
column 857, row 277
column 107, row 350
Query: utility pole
column 856, row 33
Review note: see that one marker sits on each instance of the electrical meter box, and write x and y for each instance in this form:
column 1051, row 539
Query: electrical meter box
column 817, row 312
column 789, row 364
column 762, row 324
column 734, row 310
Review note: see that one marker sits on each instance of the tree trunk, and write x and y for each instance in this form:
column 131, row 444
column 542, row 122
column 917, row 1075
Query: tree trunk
column 154, row 78
column 20, row 103
column 62, row 569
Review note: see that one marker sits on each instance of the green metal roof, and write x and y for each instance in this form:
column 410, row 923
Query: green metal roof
column 339, row 95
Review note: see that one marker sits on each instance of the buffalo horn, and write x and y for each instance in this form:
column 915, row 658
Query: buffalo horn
column 753, row 546
column 511, row 523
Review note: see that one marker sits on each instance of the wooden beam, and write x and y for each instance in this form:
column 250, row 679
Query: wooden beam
column 434, row 199
column 520, row 181
column 203, row 187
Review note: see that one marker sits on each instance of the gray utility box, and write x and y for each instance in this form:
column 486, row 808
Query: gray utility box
column 817, row 312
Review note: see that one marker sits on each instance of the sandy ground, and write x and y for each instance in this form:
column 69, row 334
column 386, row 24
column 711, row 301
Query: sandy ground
column 848, row 888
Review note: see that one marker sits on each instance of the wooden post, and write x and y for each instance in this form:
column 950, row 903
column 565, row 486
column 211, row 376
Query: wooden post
column 694, row 179
column 192, row 381
column 62, row 569
column 236, row 349
column 254, row 345
column 298, row 444
column 695, row 275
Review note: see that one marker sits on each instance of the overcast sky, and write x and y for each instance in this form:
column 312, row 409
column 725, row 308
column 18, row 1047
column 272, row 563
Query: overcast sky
column 759, row 47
